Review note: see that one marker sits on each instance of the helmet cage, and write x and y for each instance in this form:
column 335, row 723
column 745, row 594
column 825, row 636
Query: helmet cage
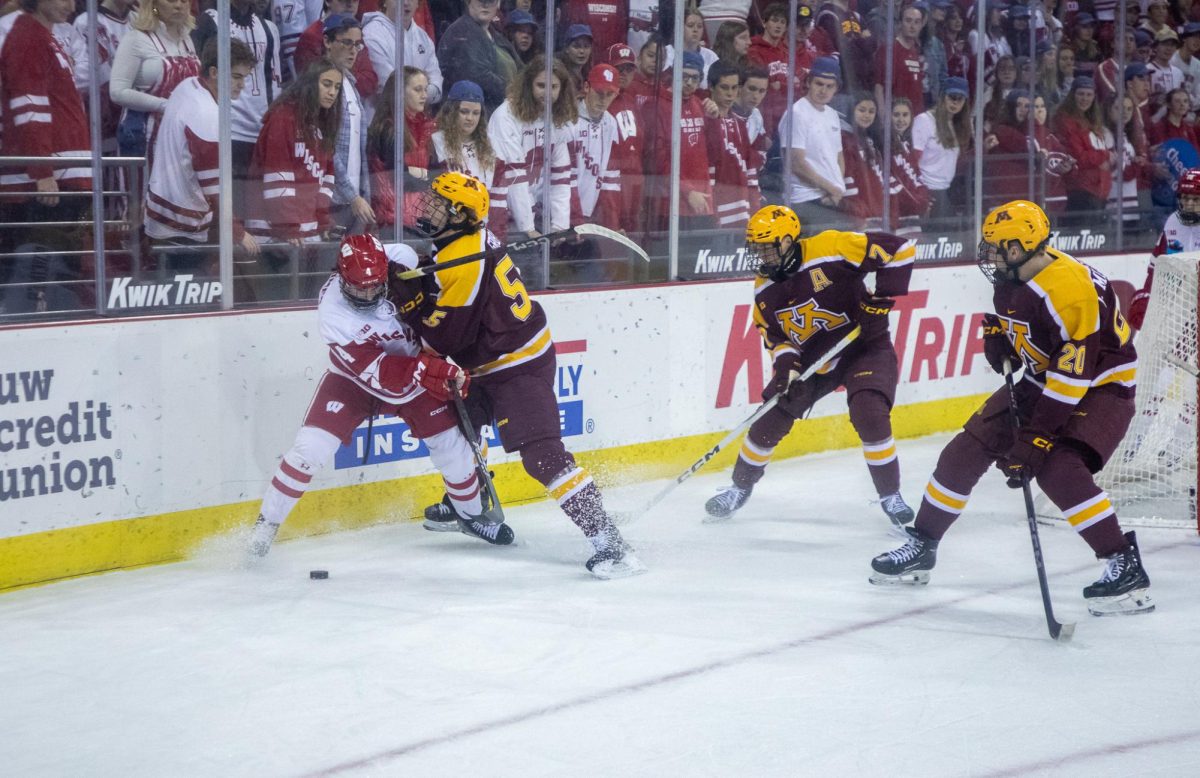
column 1189, row 208
column 435, row 213
column 363, row 295
column 993, row 260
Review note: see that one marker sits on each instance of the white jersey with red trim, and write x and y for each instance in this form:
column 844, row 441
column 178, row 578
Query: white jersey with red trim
column 371, row 346
column 593, row 148
column 183, row 191
column 520, row 160
column 292, row 17
column 1177, row 237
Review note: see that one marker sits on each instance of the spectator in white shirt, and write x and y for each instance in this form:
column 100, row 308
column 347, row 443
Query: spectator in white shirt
column 811, row 136
column 351, row 206
column 940, row 135
column 379, row 33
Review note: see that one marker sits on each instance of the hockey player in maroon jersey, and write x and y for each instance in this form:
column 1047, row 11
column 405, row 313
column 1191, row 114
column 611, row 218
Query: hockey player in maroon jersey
column 810, row 293
column 377, row 367
column 1180, row 233
column 1061, row 320
column 480, row 315
column 730, row 153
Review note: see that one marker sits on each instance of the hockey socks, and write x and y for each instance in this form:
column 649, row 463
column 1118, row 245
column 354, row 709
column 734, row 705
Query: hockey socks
column 1068, row 483
column 871, row 417
column 961, row 464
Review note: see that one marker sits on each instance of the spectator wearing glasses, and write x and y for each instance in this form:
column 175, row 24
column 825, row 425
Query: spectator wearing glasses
column 351, row 207
column 379, row 33
column 311, row 47
column 469, row 51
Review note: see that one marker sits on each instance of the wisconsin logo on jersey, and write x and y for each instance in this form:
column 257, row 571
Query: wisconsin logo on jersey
column 801, row 322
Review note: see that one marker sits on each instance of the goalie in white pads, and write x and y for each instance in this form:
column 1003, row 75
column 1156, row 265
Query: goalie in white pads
column 1060, row 318
column 377, row 367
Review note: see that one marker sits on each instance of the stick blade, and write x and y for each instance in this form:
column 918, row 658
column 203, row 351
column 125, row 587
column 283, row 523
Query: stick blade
column 604, row 232
column 1064, row 632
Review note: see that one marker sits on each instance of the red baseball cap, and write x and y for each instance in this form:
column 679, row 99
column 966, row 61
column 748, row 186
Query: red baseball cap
column 603, row 78
column 619, row 54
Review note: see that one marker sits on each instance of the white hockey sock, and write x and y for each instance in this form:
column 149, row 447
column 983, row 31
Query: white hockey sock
column 464, row 495
column 312, row 449
column 452, row 455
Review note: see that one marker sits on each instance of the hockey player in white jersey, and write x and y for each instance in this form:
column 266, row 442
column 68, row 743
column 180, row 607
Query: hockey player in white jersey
column 377, row 367
column 1181, row 233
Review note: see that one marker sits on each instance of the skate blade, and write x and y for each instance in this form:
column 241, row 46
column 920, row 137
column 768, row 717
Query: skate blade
column 1128, row 604
column 625, row 567
column 711, row 519
column 451, row 525
column 914, row 578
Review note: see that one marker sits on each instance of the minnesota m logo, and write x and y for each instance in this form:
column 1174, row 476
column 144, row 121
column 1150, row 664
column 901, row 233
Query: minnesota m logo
column 801, row 322
column 1018, row 334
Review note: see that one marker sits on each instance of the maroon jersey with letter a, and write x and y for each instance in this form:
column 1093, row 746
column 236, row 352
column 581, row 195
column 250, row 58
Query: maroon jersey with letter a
column 813, row 308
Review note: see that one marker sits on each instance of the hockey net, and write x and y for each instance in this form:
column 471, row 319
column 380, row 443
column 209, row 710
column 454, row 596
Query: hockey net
column 1152, row 478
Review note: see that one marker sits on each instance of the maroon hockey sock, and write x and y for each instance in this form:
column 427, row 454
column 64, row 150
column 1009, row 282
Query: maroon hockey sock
column 549, row 462
column 758, row 446
column 961, row 464
column 871, row 416
column 1069, row 484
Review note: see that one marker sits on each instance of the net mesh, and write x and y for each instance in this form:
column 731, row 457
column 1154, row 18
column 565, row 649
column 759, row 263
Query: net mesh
column 1152, row 476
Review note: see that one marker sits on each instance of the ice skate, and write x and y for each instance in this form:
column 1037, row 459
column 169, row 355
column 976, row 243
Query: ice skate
column 486, row 528
column 897, row 511
column 263, row 537
column 727, row 502
column 441, row 517
column 1124, row 588
column 614, row 558
column 909, row 564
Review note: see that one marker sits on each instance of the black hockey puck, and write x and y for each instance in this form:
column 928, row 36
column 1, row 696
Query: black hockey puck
column 318, row 575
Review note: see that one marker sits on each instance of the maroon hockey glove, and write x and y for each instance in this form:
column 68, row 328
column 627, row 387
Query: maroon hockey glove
column 996, row 346
column 440, row 378
column 1026, row 456
column 1137, row 309
column 785, row 364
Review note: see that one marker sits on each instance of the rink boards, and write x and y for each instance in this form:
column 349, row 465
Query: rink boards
column 126, row 443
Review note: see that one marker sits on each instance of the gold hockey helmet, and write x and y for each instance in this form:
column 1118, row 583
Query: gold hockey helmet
column 452, row 194
column 1018, row 222
column 765, row 232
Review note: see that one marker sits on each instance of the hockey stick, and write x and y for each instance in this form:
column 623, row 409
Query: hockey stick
column 1060, row 632
column 736, row 433
column 578, row 229
column 464, row 425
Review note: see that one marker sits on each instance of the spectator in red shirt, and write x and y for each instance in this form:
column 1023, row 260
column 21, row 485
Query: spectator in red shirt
column 770, row 51
column 908, row 61
column 1174, row 124
column 864, row 163
column 1080, row 125
column 631, row 136
column 381, row 147
column 695, row 201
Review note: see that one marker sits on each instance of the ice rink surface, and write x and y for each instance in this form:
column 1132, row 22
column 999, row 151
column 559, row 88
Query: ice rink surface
column 752, row 648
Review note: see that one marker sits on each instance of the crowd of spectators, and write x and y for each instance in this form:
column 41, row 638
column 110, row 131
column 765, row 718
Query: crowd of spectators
column 1078, row 102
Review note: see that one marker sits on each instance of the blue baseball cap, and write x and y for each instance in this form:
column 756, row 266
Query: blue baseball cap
column 826, row 67
column 956, row 85
column 1083, row 82
column 1136, row 70
column 519, row 18
column 1191, row 28
column 693, row 61
column 338, row 22
column 577, row 31
column 1018, row 12
column 465, row 92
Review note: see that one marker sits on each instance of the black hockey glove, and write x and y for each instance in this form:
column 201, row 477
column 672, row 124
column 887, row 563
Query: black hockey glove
column 412, row 297
column 785, row 364
column 1027, row 456
column 996, row 346
column 876, row 306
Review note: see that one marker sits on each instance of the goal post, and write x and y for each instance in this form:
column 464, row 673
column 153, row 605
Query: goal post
column 1153, row 477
